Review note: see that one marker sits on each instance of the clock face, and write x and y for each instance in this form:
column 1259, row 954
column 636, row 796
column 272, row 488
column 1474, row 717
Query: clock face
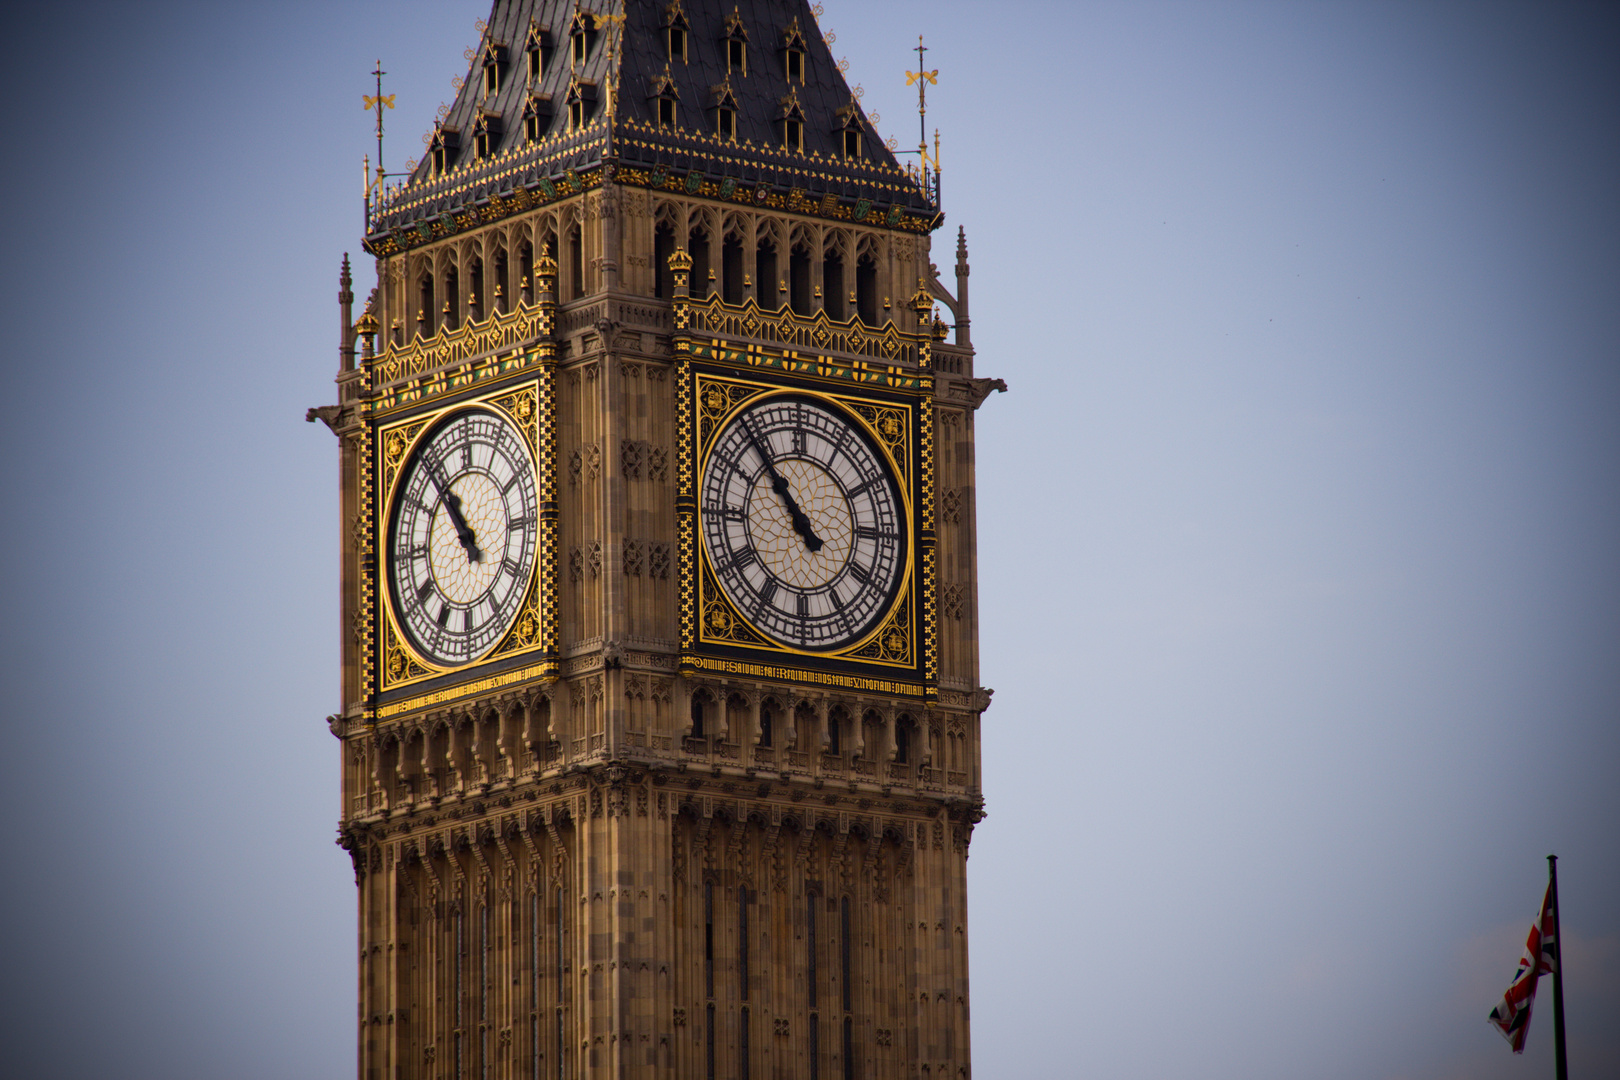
column 461, row 540
column 803, row 523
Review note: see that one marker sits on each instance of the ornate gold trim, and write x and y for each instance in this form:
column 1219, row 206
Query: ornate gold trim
column 402, row 664
column 719, row 398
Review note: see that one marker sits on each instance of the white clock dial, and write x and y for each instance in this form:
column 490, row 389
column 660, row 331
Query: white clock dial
column 462, row 537
column 803, row 523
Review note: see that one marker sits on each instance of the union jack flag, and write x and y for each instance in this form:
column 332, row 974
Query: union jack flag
column 1512, row 1014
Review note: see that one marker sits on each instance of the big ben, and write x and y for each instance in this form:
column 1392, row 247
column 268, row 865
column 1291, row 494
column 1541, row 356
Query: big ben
column 660, row 691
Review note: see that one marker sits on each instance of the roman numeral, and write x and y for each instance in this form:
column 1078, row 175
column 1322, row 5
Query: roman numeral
column 742, row 560
column 519, row 523
column 423, row 593
column 802, row 606
column 867, row 532
column 444, row 616
column 859, row 573
column 509, row 566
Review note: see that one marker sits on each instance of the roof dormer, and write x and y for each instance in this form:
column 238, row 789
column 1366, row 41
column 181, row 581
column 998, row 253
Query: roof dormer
column 487, row 135
column 676, row 31
column 581, row 103
column 736, row 44
column 443, row 149
column 536, row 117
column 794, row 51
column 723, row 100
column 582, row 37
column 790, row 121
column 535, row 47
column 851, row 132
column 666, row 97
column 494, row 61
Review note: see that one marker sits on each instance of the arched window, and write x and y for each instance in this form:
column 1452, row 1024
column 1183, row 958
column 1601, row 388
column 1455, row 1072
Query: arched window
column 425, row 312
column 902, row 741
column 698, row 729
column 765, row 726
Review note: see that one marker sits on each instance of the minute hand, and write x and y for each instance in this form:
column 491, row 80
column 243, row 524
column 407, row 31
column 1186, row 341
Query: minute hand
column 779, row 484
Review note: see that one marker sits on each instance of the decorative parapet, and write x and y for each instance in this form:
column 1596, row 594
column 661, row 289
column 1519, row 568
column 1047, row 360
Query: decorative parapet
column 816, row 332
column 450, row 359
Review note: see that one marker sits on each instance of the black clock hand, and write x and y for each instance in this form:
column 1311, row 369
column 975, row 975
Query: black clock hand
column 452, row 503
column 779, row 484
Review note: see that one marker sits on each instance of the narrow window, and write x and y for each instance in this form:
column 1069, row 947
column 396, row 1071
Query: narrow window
column 698, row 247
column 902, row 743
column 562, row 981
column 709, row 1034
column 742, row 1047
column 677, row 44
column 576, row 263
column 663, row 248
column 531, row 126
column 492, row 78
column 534, row 984
column 727, row 124
column 793, row 135
column 866, row 289
column 815, row 1047
column 799, row 291
column 666, row 113
column 810, row 945
column 708, row 939
column 483, row 981
column 460, row 954
column 849, row 1048
column 737, row 56
column 452, row 292
column 534, row 64
column 697, row 718
column 582, row 46
column 843, row 943
column 832, row 284
column 731, row 270
column 742, row 942
column 795, row 65
column 576, row 114
column 852, row 144
column 765, row 279
column 765, row 726
column 425, row 313
column 503, row 283
column 439, row 160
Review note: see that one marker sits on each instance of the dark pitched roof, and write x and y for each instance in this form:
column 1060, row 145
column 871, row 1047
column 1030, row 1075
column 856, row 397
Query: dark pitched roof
column 515, row 158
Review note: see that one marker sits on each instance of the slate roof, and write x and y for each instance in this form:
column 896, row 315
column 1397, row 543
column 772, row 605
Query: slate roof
column 630, row 136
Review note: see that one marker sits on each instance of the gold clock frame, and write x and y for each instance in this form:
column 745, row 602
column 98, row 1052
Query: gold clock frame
column 400, row 664
column 896, row 654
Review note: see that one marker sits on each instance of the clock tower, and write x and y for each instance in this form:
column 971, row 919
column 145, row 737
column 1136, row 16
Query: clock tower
column 660, row 703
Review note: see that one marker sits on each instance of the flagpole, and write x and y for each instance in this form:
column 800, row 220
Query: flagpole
column 1561, row 1066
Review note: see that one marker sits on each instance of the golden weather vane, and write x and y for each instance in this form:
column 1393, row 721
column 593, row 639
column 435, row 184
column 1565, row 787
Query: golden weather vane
column 378, row 102
column 920, row 79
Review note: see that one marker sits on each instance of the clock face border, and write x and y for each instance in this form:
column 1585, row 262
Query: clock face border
column 715, row 626
column 400, row 663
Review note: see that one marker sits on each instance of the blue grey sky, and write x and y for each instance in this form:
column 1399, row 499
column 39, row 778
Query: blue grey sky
column 1298, row 528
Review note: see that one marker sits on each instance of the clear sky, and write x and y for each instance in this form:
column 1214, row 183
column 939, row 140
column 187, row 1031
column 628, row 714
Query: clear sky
column 1298, row 528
